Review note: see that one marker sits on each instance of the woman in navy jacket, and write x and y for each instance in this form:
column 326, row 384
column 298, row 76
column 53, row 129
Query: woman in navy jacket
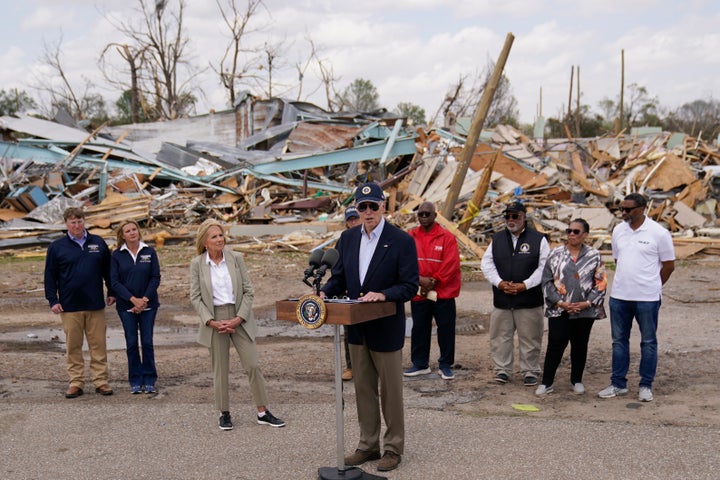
column 135, row 277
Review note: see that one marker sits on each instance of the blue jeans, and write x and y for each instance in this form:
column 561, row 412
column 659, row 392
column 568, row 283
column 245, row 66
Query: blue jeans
column 422, row 316
column 141, row 371
column 622, row 313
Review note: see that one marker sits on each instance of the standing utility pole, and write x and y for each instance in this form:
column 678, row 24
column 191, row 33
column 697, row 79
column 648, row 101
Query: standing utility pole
column 622, row 92
column 577, row 110
column 572, row 74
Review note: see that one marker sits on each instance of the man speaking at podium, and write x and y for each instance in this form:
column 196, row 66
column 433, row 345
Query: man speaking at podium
column 378, row 263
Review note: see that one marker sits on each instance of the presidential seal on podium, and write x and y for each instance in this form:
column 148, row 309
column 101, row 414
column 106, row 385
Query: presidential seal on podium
column 311, row 311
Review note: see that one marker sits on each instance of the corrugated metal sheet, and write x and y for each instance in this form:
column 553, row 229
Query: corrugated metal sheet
column 310, row 137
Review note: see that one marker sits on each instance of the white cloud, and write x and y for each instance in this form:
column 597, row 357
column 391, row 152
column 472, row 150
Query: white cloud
column 413, row 50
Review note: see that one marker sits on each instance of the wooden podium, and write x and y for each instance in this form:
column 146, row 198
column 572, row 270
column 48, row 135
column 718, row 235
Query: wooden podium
column 340, row 313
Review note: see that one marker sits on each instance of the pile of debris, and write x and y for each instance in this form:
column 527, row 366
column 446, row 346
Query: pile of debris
column 274, row 167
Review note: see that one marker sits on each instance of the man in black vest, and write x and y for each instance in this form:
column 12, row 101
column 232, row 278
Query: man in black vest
column 513, row 264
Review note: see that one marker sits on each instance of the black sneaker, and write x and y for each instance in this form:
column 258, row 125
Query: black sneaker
column 530, row 380
column 270, row 419
column 225, row 422
column 502, row 377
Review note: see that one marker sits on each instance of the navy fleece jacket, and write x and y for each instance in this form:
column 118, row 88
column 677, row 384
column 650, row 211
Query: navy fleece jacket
column 74, row 276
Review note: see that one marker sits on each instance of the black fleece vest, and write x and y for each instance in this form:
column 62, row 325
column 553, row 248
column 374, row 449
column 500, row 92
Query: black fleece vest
column 517, row 264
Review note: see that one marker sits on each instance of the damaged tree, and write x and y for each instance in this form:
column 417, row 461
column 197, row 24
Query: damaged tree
column 162, row 41
column 80, row 106
column 231, row 68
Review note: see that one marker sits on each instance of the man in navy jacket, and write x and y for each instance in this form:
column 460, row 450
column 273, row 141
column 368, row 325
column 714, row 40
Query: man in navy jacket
column 75, row 268
column 378, row 263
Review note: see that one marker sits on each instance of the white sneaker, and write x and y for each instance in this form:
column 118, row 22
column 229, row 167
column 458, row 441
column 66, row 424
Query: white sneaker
column 612, row 391
column 578, row 388
column 544, row 390
column 645, row 394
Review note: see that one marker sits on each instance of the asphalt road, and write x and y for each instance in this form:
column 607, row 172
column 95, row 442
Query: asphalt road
column 142, row 438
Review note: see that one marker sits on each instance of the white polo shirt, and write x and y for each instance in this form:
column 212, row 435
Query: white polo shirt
column 639, row 255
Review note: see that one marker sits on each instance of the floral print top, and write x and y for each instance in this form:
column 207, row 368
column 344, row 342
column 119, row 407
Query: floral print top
column 566, row 279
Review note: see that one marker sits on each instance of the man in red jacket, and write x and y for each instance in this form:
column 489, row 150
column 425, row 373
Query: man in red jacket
column 440, row 279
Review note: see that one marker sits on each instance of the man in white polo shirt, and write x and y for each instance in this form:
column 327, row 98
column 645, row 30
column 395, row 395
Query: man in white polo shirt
column 645, row 258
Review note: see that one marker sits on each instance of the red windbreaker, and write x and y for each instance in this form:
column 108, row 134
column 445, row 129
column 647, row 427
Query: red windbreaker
column 439, row 258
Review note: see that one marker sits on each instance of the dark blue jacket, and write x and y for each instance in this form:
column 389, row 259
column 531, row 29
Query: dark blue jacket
column 393, row 271
column 74, row 276
column 135, row 279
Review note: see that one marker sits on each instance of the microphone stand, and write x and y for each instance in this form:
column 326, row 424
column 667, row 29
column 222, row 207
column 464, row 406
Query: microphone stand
column 342, row 471
column 319, row 274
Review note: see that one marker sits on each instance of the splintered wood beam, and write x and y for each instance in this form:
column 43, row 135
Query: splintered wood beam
column 463, row 239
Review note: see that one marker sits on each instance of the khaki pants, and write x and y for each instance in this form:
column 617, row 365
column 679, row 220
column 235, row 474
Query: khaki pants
column 220, row 354
column 529, row 325
column 370, row 370
column 88, row 324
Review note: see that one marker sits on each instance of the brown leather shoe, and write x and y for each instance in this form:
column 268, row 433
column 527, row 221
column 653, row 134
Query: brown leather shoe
column 73, row 392
column 347, row 374
column 389, row 461
column 360, row 457
column 104, row 390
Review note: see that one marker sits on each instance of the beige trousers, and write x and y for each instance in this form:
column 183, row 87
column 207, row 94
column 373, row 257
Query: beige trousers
column 88, row 324
column 528, row 322
column 220, row 354
column 370, row 371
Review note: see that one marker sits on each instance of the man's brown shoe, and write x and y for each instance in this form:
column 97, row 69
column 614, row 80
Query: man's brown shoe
column 104, row 389
column 389, row 461
column 73, row 392
column 360, row 457
column 347, row 374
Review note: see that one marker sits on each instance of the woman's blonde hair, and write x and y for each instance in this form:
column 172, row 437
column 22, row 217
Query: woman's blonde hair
column 202, row 233
column 119, row 240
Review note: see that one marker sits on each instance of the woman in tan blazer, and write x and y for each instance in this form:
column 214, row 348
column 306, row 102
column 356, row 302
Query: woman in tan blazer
column 222, row 295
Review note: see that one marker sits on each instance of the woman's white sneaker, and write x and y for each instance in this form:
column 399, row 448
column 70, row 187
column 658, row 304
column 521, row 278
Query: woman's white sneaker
column 544, row 390
column 578, row 388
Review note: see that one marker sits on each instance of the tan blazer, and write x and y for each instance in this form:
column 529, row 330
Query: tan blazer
column 202, row 299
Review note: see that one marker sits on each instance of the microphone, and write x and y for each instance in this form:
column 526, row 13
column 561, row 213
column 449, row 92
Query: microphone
column 329, row 259
column 315, row 262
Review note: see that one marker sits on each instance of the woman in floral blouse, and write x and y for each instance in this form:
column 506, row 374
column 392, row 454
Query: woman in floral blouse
column 574, row 283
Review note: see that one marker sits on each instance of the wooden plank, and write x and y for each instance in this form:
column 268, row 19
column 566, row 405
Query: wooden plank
column 442, row 181
column 422, row 175
column 578, row 167
column 463, row 239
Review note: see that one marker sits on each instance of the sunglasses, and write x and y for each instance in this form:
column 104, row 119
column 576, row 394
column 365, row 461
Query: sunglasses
column 629, row 209
column 424, row 214
column 574, row 231
column 365, row 205
column 512, row 216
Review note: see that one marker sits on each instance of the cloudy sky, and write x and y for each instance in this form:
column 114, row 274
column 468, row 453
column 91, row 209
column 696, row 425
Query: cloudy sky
column 412, row 50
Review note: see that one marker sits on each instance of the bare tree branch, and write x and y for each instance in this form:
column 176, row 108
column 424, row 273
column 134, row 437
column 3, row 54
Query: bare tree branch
column 229, row 68
column 156, row 52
